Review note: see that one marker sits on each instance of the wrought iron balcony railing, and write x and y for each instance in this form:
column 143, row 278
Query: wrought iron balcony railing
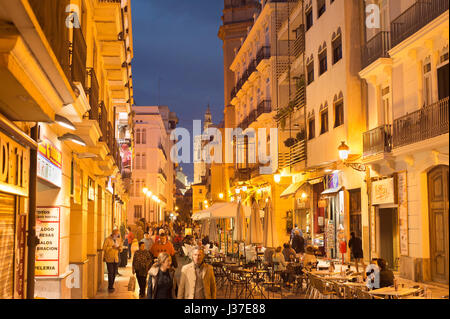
column 377, row 141
column 299, row 43
column 78, row 54
column 264, row 106
column 93, row 91
column 428, row 122
column 415, row 18
column 377, row 47
column 296, row 154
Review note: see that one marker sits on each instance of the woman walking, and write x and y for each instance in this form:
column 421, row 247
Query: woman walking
column 142, row 261
column 161, row 280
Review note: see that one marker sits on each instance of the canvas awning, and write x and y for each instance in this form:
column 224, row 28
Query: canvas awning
column 331, row 191
column 292, row 189
column 222, row 210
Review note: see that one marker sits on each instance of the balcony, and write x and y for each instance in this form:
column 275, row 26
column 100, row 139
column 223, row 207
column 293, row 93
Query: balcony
column 78, row 54
column 93, row 91
column 377, row 47
column 415, row 17
column 296, row 154
column 263, row 54
column 428, row 122
column 377, row 141
column 103, row 122
column 264, row 106
column 299, row 43
column 161, row 172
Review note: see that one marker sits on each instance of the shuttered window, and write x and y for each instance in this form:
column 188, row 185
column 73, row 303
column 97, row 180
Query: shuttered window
column 7, row 222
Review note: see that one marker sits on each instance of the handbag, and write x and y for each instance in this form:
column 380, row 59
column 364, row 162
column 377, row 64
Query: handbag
column 132, row 283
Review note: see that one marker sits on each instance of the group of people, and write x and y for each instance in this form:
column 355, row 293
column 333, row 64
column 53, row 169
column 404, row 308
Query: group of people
column 155, row 261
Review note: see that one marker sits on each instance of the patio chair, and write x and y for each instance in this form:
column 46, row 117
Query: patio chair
column 325, row 289
column 234, row 282
column 274, row 283
column 361, row 294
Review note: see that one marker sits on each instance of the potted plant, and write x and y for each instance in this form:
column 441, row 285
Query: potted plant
column 301, row 135
column 289, row 142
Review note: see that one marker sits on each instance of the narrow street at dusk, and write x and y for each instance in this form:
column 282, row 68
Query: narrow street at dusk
column 224, row 150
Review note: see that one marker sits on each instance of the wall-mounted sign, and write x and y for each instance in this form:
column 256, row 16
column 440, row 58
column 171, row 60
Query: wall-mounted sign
column 14, row 167
column 333, row 180
column 403, row 213
column 50, row 163
column 47, row 252
column 77, row 182
column 383, row 192
column 91, row 189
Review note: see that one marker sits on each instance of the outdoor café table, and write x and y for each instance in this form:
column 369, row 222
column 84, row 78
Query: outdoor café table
column 391, row 293
column 349, row 286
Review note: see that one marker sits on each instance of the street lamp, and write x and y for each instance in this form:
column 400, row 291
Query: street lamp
column 221, row 195
column 344, row 152
column 145, row 190
column 277, row 178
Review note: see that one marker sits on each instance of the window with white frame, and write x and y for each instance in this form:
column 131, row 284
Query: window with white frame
column 427, row 84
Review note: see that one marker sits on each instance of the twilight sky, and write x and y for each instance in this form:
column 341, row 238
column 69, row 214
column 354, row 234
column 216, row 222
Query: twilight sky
column 176, row 40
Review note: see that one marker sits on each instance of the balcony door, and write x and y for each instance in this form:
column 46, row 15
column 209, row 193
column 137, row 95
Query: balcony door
column 443, row 82
column 438, row 215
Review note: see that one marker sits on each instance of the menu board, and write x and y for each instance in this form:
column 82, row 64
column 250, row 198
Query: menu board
column 403, row 212
column 50, row 163
column 47, row 251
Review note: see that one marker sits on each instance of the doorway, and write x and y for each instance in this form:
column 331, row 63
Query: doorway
column 388, row 251
column 438, row 216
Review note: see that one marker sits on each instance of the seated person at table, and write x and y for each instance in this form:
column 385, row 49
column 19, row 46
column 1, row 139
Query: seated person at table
column 288, row 253
column 268, row 253
column 298, row 243
column 386, row 275
column 205, row 240
column 309, row 258
column 280, row 263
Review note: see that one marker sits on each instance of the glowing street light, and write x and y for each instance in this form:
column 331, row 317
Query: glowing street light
column 344, row 150
column 221, row 195
column 145, row 190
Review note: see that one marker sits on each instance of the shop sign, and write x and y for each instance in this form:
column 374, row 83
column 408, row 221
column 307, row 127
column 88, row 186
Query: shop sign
column 403, row 213
column 14, row 167
column 383, row 192
column 316, row 181
column 333, row 180
column 47, row 251
column 323, row 203
column 77, row 182
column 49, row 163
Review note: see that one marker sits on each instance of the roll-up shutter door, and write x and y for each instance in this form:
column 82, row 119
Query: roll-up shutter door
column 7, row 226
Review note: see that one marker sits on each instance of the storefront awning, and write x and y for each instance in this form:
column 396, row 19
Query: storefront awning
column 292, row 189
column 331, row 191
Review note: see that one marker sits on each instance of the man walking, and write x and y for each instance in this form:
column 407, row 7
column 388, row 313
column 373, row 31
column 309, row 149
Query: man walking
column 355, row 245
column 142, row 261
column 111, row 249
column 197, row 278
column 162, row 245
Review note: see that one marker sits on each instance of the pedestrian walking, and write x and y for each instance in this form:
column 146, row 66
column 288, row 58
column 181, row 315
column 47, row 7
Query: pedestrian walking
column 130, row 238
column 147, row 241
column 162, row 283
column 111, row 249
column 295, row 229
column 197, row 278
column 142, row 261
column 298, row 243
column 139, row 233
column 163, row 246
column 355, row 245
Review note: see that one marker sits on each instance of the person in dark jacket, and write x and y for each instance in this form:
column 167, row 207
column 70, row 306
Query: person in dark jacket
column 142, row 261
column 298, row 243
column 162, row 282
column 355, row 245
column 386, row 275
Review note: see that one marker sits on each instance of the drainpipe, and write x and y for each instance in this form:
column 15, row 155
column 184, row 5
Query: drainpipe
column 32, row 240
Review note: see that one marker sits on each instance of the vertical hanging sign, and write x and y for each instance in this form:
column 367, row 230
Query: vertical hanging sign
column 403, row 212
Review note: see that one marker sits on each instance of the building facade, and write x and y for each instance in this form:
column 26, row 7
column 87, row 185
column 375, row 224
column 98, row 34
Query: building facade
column 153, row 168
column 405, row 66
